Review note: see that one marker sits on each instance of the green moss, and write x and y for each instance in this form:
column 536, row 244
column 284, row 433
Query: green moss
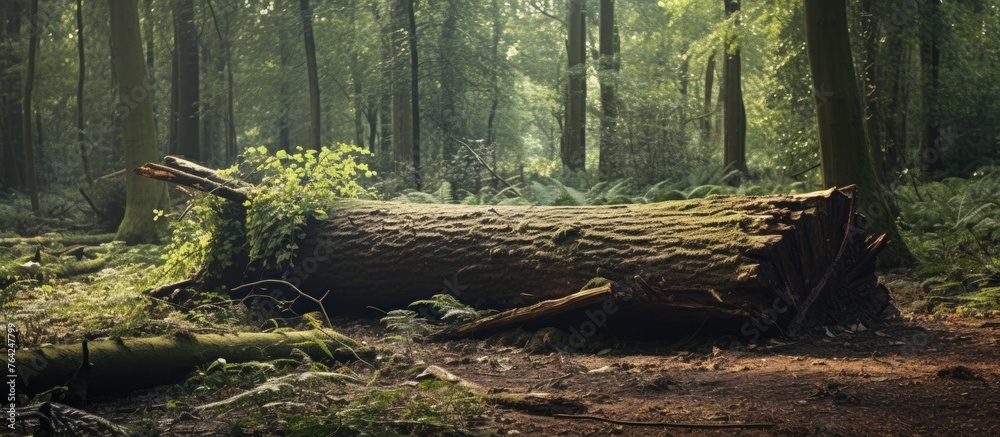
column 566, row 235
column 595, row 283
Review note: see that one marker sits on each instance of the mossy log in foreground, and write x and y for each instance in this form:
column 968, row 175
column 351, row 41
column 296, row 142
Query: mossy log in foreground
column 121, row 366
column 796, row 258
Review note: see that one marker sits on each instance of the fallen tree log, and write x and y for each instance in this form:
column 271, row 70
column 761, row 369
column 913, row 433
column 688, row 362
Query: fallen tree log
column 121, row 366
column 785, row 259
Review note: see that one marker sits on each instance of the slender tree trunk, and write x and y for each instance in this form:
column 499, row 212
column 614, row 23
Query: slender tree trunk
column 232, row 149
column 29, row 83
column 174, row 91
column 151, row 58
column 315, row 140
column 402, row 110
column 284, row 140
column 142, row 195
column 844, row 151
column 574, row 153
column 931, row 148
column 612, row 158
column 873, row 117
column 80, row 136
column 499, row 23
column 188, row 81
column 735, row 115
column 414, row 91
column 706, row 119
column 357, row 80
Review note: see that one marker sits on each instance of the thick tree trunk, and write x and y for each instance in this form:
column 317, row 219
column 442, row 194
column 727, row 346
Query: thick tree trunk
column 724, row 257
column 574, row 151
column 188, row 79
column 142, row 195
column 123, row 366
column 612, row 159
column 734, row 115
column 315, row 131
column 29, row 83
column 844, row 151
column 10, row 96
column 931, row 148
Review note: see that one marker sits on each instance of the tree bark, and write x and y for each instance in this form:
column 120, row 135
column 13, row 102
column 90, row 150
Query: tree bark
column 844, row 151
column 188, row 79
column 142, row 195
column 29, row 83
column 315, row 131
column 727, row 258
column 123, row 366
column 81, row 136
column 414, row 91
column 402, row 110
column 574, row 153
column 612, row 162
column 706, row 120
column 872, row 88
column 735, row 115
column 931, row 148
column 10, row 95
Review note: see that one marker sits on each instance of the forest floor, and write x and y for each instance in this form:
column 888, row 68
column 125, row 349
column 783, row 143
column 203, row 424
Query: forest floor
column 911, row 377
column 918, row 374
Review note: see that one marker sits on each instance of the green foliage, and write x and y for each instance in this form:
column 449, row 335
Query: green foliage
column 451, row 310
column 430, row 408
column 955, row 221
column 407, row 324
column 290, row 191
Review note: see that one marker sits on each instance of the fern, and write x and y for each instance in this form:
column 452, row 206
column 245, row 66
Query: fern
column 452, row 311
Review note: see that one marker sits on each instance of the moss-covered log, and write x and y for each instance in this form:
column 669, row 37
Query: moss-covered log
column 723, row 256
column 796, row 258
column 121, row 366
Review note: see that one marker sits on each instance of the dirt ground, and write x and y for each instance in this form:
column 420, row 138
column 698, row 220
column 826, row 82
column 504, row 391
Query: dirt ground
column 908, row 378
column 913, row 376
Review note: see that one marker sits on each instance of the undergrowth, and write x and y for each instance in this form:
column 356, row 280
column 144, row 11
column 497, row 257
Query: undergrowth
column 290, row 191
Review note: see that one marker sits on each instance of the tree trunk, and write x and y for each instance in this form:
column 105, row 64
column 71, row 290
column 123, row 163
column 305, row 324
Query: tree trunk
column 29, row 83
column 931, row 148
column 612, row 162
column 126, row 365
column 315, row 140
column 574, row 152
column 723, row 257
column 10, row 95
column 174, row 92
column 81, row 137
column 844, row 151
column 873, row 116
column 188, row 97
column 402, row 111
column 142, row 195
column 706, row 120
column 414, row 91
column 735, row 115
